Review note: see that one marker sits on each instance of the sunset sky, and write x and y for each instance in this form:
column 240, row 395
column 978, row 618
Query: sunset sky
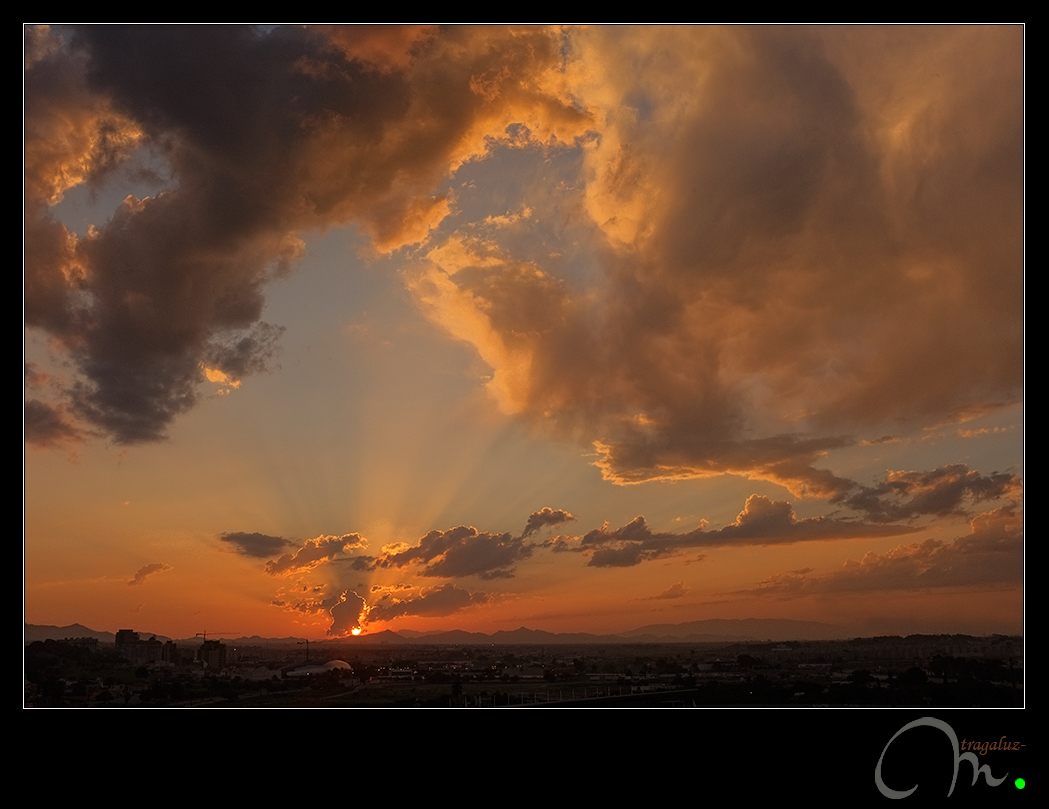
column 580, row 329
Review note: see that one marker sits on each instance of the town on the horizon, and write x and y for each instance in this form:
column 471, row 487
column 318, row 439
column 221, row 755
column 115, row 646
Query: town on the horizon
column 523, row 668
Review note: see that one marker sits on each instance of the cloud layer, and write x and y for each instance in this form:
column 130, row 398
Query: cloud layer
column 992, row 554
column 762, row 522
column 821, row 238
column 262, row 134
column 807, row 248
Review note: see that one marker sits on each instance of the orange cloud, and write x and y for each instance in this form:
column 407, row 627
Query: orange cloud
column 762, row 522
column 774, row 287
column 314, row 552
column 990, row 556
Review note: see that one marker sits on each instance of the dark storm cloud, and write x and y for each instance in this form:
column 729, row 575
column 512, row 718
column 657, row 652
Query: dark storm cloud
column 259, row 546
column 265, row 133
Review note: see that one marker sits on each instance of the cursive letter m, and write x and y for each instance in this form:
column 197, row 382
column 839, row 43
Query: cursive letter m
column 929, row 721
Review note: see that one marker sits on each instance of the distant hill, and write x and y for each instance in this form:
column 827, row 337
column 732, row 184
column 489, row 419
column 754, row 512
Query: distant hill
column 712, row 630
column 35, row 632
column 740, row 629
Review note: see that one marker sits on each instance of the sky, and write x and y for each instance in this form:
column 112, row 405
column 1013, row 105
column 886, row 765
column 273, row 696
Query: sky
column 332, row 330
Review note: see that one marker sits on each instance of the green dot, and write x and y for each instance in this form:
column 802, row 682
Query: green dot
column 1020, row 783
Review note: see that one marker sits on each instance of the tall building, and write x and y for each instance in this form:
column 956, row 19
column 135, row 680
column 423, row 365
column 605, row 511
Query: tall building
column 133, row 648
column 212, row 654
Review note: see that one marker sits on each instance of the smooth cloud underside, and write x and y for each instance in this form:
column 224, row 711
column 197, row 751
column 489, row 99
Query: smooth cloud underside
column 822, row 239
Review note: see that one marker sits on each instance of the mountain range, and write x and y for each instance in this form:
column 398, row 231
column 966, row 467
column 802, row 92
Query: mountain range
column 712, row 630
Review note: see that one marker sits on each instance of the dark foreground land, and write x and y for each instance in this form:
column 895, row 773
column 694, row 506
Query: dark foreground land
column 918, row 671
